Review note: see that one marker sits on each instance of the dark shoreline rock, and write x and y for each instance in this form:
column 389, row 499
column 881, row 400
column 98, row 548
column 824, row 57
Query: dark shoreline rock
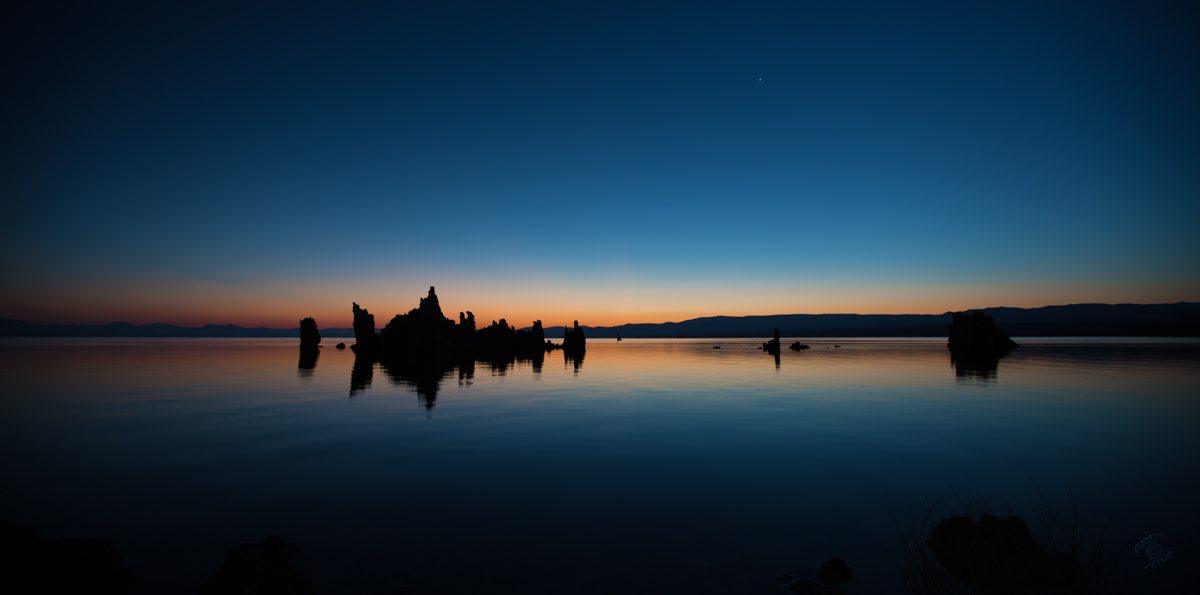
column 264, row 567
column 999, row 556
column 834, row 572
column 60, row 566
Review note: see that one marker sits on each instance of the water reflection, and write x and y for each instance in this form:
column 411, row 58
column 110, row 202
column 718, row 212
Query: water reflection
column 500, row 366
column 466, row 374
column 574, row 359
column 360, row 374
column 593, row 473
column 308, row 363
column 975, row 370
column 425, row 377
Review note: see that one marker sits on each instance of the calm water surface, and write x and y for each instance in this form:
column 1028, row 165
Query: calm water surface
column 652, row 466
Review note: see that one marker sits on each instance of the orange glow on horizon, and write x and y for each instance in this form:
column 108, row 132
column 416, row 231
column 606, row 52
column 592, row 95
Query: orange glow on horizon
column 198, row 306
column 284, row 304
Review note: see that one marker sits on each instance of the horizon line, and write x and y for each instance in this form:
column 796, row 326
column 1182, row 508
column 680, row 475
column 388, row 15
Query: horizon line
column 350, row 326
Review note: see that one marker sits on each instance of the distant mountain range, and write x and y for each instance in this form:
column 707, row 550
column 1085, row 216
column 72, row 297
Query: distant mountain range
column 1075, row 320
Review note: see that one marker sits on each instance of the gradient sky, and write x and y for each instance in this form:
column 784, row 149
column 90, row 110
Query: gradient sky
column 605, row 162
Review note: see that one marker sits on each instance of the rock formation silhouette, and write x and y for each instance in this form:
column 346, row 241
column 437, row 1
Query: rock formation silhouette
column 365, row 339
column 309, row 337
column 995, row 556
column 421, row 347
column 573, row 340
column 60, row 566
column 772, row 346
column 466, row 329
column 310, row 341
column 264, row 567
column 797, row 346
column 423, row 333
column 975, row 335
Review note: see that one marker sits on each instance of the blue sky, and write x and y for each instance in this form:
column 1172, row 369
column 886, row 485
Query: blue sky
column 608, row 162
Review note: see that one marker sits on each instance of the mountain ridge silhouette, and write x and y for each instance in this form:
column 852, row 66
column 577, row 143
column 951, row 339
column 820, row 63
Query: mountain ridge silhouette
column 1181, row 319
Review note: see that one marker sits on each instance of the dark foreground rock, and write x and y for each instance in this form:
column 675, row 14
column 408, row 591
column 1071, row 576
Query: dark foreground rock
column 60, row 566
column 263, row 568
column 999, row 556
column 834, row 572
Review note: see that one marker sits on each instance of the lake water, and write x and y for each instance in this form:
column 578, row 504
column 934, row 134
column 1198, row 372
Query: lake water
column 652, row 466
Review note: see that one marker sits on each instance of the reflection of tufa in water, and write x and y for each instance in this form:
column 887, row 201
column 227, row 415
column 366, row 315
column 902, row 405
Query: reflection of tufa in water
column 980, row 368
column 361, row 374
column 308, row 363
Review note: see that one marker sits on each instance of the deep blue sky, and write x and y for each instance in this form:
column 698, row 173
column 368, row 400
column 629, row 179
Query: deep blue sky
column 608, row 162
